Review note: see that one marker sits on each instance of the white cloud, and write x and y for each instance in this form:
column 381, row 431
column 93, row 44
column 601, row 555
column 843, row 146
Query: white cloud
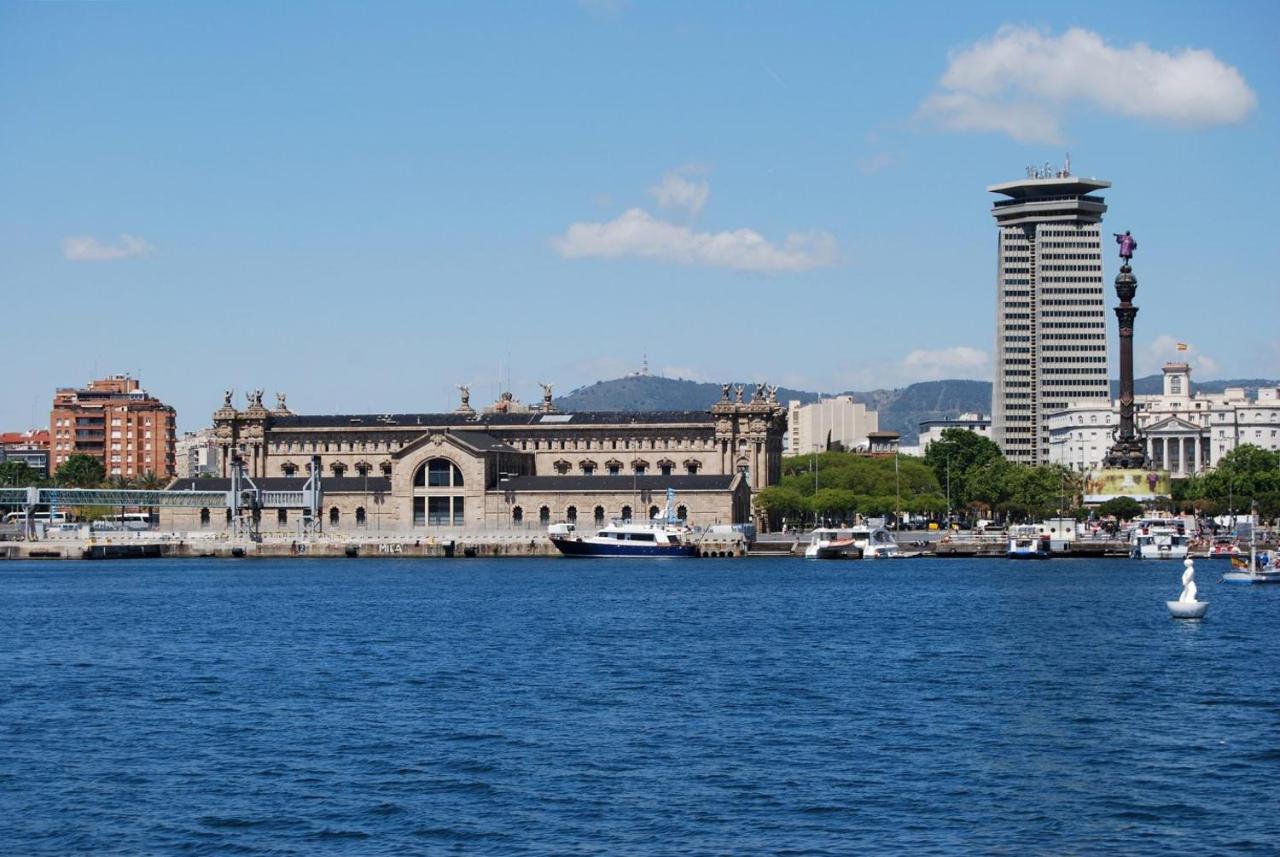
column 1021, row 81
column 635, row 232
column 1164, row 349
column 86, row 248
column 960, row 361
column 680, row 193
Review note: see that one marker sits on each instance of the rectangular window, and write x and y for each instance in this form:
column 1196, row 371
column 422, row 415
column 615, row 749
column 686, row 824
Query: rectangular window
column 438, row 511
column 459, row 518
column 419, row 511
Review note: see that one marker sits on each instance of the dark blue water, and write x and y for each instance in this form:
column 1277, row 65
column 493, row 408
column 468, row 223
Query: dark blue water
column 576, row 707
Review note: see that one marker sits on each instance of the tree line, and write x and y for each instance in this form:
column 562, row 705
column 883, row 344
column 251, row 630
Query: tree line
column 78, row 471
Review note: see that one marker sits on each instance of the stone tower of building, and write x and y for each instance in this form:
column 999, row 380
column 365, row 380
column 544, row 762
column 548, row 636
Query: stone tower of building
column 1051, row 338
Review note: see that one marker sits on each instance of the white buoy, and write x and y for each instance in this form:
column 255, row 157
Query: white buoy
column 1187, row 607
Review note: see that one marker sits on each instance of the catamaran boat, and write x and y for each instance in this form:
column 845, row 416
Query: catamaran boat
column 1152, row 541
column 664, row 536
column 832, row 543
column 1027, row 542
column 876, row 543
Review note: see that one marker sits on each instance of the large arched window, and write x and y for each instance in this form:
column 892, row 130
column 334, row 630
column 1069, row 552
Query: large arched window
column 436, row 500
column 517, row 514
column 360, row 516
column 544, row 515
column 438, row 473
column 333, row 516
column 571, row 514
column 682, row 513
column 204, row 518
column 626, row 513
column 599, row 515
column 282, row 516
column 653, row 512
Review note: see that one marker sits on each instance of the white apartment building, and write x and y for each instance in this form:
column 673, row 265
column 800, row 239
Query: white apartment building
column 1184, row 432
column 196, row 454
column 931, row 430
column 1051, row 323
column 818, row 425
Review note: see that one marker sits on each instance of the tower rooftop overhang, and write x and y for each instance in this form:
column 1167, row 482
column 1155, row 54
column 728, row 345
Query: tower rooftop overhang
column 1031, row 188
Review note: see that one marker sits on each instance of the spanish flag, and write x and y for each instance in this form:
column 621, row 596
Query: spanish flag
column 1182, row 346
column 1240, row 563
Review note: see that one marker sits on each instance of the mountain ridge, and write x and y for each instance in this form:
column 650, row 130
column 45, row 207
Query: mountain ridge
column 900, row 409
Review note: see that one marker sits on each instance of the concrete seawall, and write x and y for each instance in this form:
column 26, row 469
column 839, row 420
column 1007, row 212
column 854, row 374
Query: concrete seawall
column 177, row 547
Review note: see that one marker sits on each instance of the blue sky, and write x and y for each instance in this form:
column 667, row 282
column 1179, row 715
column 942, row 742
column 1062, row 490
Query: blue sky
column 363, row 205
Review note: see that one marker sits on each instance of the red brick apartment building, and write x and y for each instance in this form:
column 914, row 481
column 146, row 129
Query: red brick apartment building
column 117, row 422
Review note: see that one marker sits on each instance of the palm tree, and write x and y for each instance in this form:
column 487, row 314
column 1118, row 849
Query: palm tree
column 151, row 481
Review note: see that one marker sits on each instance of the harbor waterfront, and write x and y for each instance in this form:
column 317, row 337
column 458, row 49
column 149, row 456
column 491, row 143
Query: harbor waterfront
column 529, row 708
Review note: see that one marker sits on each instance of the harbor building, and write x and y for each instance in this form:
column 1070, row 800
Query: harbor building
column 1184, row 432
column 931, row 430
column 117, row 422
column 1051, row 336
column 819, row 426
column 509, row 465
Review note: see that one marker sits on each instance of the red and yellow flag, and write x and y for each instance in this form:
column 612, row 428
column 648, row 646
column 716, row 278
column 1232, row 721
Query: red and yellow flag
column 1182, row 346
column 1239, row 562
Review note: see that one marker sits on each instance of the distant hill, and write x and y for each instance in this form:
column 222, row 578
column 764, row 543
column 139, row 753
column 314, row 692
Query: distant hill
column 901, row 410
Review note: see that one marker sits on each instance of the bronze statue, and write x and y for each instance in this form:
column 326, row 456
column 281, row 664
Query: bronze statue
column 1127, row 245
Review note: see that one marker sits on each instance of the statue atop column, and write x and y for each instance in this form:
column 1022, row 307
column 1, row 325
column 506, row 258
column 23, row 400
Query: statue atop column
column 1127, row 452
column 548, row 406
column 1127, row 245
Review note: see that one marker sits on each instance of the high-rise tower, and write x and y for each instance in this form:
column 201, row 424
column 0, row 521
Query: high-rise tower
column 1051, row 336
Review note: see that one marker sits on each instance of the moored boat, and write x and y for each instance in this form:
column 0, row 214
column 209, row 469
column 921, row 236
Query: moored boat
column 1027, row 542
column 1150, row 541
column 832, row 543
column 664, row 536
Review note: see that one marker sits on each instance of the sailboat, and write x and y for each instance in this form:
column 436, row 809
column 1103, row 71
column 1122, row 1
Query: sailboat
column 1264, row 568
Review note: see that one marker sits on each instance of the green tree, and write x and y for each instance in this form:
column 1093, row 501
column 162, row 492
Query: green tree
column 959, row 451
column 781, row 501
column 1120, row 508
column 80, row 471
column 1244, row 475
column 17, row 474
column 151, row 481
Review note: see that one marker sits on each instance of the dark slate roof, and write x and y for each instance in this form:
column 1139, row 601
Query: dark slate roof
column 653, row 484
column 482, row 421
column 481, row 441
column 328, row 484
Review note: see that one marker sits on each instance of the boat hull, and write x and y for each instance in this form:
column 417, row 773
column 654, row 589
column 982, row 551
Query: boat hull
column 585, row 548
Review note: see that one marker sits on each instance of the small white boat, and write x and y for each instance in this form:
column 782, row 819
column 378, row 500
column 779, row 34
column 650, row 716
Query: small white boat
column 1150, row 541
column 1027, row 542
column 876, row 543
column 1259, row 568
column 831, row 543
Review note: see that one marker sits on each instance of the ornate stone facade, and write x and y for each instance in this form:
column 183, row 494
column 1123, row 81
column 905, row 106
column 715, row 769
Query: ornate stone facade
column 515, row 465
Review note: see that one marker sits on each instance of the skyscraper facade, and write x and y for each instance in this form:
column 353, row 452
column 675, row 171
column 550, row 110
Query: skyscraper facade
column 1051, row 326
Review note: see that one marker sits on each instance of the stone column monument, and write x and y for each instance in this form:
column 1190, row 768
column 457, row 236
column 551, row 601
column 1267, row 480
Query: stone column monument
column 1127, row 452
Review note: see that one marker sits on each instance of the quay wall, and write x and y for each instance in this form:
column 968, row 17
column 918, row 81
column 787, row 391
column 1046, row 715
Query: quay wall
column 151, row 545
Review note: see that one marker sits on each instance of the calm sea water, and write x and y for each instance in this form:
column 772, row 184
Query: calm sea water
column 579, row 707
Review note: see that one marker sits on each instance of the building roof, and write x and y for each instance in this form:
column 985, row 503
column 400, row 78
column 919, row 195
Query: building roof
column 482, row 421
column 328, row 484
column 1030, row 188
column 31, row 437
column 620, row 484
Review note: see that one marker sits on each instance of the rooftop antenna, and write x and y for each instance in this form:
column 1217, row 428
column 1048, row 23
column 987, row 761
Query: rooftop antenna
column 1066, row 167
column 644, row 364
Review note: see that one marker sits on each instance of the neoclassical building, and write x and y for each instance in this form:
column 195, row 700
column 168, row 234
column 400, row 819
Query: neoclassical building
column 507, row 465
column 1185, row 432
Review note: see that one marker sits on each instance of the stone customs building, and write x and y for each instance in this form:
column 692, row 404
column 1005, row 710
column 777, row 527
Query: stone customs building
column 508, row 466
column 1051, row 336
